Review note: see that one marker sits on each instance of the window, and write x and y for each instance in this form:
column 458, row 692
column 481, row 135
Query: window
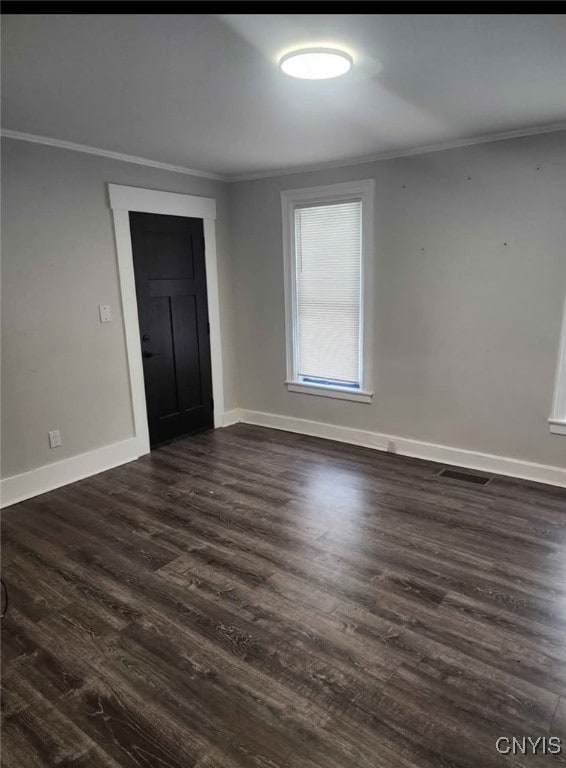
column 558, row 418
column 327, row 245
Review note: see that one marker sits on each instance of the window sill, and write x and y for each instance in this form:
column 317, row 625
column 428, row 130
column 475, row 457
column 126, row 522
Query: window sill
column 557, row 426
column 337, row 392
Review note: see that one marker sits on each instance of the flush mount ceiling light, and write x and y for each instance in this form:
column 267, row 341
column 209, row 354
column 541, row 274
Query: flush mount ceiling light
column 316, row 63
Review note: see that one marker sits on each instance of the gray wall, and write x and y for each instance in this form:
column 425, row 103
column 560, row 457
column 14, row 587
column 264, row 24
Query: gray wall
column 61, row 368
column 466, row 330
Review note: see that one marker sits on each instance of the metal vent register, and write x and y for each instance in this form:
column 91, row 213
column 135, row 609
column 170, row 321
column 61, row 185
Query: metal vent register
column 466, row 477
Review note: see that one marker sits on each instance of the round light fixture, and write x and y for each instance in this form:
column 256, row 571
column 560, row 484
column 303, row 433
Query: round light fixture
column 316, row 63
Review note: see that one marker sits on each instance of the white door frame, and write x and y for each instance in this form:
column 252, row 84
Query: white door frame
column 557, row 419
column 122, row 201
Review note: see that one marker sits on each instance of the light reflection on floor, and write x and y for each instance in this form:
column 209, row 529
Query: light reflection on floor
column 337, row 498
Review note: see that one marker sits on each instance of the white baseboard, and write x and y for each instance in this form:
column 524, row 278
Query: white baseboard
column 50, row 476
column 231, row 417
column 485, row 462
column 28, row 484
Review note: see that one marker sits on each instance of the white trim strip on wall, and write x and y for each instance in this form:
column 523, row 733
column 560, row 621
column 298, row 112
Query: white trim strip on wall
column 557, row 419
column 215, row 339
column 422, row 150
column 50, row 476
column 443, row 454
column 232, row 417
column 122, row 200
column 74, row 147
column 167, row 203
column 127, row 282
column 47, row 478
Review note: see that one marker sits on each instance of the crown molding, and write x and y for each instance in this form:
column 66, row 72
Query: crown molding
column 422, row 150
column 20, row 136
column 456, row 144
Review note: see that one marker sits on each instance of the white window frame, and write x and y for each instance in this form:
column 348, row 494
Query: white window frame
column 557, row 419
column 290, row 199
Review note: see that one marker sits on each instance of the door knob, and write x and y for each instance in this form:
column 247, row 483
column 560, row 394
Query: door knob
column 145, row 337
column 147, row 354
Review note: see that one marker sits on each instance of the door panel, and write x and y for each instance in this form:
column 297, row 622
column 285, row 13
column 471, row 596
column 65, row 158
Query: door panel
column 173, row 315
column 185, row 332
column 159, row 373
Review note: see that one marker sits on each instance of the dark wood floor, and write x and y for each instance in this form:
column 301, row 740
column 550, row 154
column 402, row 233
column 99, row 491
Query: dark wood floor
column 254, row 598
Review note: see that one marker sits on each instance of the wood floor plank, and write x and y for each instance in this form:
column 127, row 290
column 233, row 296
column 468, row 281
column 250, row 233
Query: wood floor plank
column 129, row 727
column 558, row 727
column 37, row 734
column 247, row 598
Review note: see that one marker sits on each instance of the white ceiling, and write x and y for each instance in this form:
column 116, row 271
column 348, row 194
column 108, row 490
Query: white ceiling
column 205, row 91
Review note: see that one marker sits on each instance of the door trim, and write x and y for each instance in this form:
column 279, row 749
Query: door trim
column 122, row 201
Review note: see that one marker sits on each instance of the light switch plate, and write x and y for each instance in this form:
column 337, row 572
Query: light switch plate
column 105, row 313
column 54, row 438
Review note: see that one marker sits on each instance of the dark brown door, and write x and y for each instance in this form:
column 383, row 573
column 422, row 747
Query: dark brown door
column 173, row 314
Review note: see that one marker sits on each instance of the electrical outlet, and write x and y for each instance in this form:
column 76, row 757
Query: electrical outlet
column 391, row 446
column 54, row 438
column 105, row 313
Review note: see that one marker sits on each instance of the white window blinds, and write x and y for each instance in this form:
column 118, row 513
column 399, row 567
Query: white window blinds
column 328, row 292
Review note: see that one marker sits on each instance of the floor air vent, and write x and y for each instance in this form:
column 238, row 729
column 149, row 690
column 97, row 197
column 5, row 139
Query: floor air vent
column 466, row 477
